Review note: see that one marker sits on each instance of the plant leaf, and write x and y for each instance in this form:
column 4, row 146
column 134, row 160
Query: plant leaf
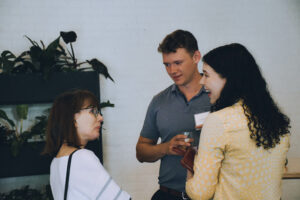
column 43, row 45
column 4, row 116
column 34, row 43
column 7, row 61
column 16, row 146
column 51, row 48
column 68, row 36
column 7, row 54
column 106, row 104
column 100, row 68
column 39, row 128
column 62, row 50
column 36, row 57
column 22, row 111
column 22, row 56
column 48, row 58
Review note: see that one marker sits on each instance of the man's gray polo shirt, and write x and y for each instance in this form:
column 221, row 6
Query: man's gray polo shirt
column 170, row 114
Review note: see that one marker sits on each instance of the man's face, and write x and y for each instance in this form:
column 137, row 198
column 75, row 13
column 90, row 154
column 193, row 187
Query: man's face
column 181, row 66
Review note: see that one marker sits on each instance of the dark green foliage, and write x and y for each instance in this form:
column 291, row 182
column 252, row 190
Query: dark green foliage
column 43, row 60
column 7, row 61
column 4, row 117
column 46, row 60
column 100, row 68
column 22, row 111
column 106, row 104
column 15, row 140
column 28, row 193
column 68, row 36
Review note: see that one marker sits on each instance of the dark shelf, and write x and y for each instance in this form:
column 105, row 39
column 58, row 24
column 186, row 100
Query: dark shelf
column 34, row 89
column 27, row 162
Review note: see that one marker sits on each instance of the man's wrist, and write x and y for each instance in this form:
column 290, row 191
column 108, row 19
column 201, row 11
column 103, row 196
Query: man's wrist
column 164, row 148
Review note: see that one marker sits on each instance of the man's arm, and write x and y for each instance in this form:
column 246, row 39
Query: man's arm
column 148, row 150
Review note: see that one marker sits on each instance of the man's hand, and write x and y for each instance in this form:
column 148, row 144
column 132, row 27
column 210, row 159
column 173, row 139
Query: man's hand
column 148, row 150
column 177, row 145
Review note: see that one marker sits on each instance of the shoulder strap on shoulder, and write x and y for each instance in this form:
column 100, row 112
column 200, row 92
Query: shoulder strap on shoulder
column 68, row 174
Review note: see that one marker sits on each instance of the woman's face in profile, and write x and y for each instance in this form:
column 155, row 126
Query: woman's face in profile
column 88, row 122
column 212, row 82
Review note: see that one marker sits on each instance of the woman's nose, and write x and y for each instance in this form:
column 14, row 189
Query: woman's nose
column 99, row 118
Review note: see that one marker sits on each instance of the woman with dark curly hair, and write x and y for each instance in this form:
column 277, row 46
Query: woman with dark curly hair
column 245, row 139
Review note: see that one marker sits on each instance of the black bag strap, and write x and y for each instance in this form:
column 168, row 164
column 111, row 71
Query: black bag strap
column 68, row 174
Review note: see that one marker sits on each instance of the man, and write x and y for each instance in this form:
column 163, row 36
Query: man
column 171, row 112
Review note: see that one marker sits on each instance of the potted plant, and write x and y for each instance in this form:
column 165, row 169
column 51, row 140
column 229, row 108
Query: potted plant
column 44, row 65
column 46, row 60
column 15, row 137
column 38, row 75
column 20, row 149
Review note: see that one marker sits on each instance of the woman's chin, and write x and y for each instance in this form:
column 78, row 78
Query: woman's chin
column 96, row 136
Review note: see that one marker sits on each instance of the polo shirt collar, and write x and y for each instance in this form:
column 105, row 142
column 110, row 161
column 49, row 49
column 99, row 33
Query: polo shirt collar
column 176, row 89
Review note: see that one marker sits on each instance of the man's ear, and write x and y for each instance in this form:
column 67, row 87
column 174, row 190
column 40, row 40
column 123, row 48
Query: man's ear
column 197, row 57
column 75, row 122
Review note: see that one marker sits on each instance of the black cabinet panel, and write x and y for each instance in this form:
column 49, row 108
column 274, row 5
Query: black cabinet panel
column 34, row 89
column 27, row 162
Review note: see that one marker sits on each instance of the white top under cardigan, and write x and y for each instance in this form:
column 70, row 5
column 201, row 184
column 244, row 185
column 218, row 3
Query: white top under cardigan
column 88, row 178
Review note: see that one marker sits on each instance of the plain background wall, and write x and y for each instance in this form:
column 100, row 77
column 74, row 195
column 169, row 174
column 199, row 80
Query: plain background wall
column 124, row 34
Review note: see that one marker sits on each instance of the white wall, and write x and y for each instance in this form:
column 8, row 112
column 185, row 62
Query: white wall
column 124, row 34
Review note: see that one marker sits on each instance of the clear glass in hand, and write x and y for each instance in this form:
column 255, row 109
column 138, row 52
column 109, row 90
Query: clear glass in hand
column 190, row 139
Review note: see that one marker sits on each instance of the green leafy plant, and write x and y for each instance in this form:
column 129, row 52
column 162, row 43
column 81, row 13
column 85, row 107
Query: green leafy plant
column 10, row 135
column 22, row 112
column 28, row 193
column 4, row 117
column 56, row 57
column 45, row 60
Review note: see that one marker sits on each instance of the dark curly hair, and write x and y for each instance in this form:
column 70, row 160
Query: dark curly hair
column 178, row 39
column 245, row 82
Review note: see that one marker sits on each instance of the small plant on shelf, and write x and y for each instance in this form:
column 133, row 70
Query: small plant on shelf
column 16, row 138
column 28, row 193
column 56, row 57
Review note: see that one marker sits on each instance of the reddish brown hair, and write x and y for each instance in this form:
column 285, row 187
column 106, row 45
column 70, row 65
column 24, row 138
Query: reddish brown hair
column 61, row 125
